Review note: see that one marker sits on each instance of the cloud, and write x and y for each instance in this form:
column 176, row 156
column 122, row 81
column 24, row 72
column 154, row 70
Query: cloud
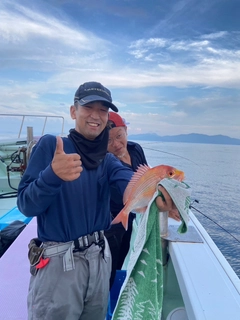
column 186, row 78
column 215, row 35
column 42, row 42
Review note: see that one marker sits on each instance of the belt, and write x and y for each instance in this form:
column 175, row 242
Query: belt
column 86, row 241
column 68, row 248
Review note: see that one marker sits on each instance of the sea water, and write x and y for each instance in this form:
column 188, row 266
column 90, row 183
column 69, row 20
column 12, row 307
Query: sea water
column 213, row 173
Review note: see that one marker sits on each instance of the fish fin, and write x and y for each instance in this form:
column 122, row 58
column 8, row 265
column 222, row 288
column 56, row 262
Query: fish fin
column 141, row 170
column 123, row 218
column 140, row 210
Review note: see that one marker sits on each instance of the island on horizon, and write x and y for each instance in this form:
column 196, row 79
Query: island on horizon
column 189, row 138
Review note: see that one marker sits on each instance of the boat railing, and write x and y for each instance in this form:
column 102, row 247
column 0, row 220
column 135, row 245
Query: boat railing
column 17, row 141
column 24, row 116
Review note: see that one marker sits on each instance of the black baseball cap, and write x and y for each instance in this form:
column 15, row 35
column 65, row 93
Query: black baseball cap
column 94, row 91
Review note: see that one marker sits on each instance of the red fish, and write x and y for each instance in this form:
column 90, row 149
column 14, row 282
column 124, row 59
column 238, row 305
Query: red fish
column 141, row 188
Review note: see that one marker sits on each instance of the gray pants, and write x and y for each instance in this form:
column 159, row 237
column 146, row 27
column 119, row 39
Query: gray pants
column 79, row 294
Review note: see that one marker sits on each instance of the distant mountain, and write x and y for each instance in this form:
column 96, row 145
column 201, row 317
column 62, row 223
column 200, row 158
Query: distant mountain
column 190, row 138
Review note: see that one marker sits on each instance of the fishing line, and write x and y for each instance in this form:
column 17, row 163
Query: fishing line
column 172, row 154
column 192, row 207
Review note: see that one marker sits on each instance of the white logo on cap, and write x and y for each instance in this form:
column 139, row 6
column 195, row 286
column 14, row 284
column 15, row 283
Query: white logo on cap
column 97, row 89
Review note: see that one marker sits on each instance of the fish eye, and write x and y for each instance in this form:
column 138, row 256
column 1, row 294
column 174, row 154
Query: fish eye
column 170, row 173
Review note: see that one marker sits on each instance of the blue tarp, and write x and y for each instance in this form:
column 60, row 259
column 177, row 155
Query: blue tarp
column 12, row 215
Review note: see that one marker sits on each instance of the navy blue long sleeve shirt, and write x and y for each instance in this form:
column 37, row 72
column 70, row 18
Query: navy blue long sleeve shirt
column 68, row 210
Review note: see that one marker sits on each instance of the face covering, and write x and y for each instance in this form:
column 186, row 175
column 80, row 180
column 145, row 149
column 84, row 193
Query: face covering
column 92, row 152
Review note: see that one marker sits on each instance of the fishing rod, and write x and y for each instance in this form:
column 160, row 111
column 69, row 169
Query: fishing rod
column 192, row 207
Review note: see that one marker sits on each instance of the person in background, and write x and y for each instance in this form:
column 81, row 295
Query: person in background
column 132, row 156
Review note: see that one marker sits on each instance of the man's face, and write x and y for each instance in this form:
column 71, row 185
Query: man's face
column 117, row 143
column 91, row 119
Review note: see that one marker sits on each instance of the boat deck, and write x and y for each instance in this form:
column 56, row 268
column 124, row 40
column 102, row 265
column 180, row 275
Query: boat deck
column 15, row 275
column 209, row 286
column 210, row 289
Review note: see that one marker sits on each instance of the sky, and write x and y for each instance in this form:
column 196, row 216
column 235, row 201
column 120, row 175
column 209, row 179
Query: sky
column 173, row 67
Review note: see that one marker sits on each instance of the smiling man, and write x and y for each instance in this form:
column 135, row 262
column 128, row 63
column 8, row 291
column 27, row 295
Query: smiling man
column 96, row 99
column 67, row 187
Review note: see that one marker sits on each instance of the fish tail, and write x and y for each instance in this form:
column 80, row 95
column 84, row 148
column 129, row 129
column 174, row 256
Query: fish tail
column 123, row 218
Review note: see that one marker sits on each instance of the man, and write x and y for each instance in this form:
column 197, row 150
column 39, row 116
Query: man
column 67, row 187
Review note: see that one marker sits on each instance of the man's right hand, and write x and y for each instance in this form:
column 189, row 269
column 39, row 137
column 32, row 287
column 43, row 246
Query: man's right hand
column 68, row 167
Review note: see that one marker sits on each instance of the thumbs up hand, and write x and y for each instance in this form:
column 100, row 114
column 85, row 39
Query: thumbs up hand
column 68, row 167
